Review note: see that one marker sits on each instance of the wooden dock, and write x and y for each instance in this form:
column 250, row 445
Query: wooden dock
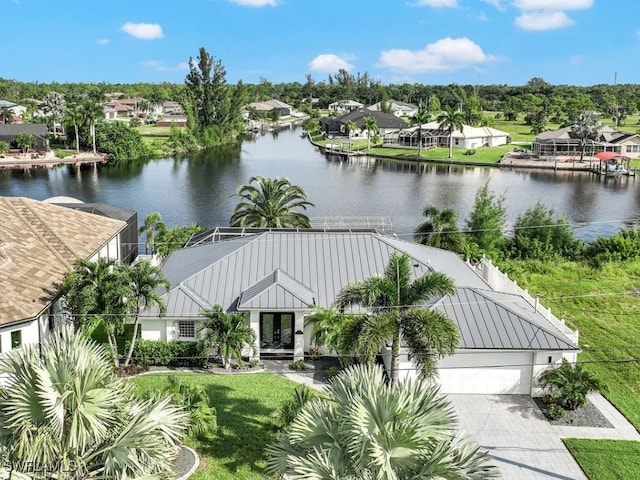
column 31, row 161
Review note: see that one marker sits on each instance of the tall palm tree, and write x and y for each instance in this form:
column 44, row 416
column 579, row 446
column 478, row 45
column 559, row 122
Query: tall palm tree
column 6, row 114
column 451, row 119
column 365, row 428
column 440, row 229
column 63, row 412
column 270, row 204
column 393, row 299
column 422, row 116
column 228, row 333
column 351, row 127
column 144, row 280
column 369, row 125
column 93, row 112
column 153, row 227
column 55, row 106
column 75, row 115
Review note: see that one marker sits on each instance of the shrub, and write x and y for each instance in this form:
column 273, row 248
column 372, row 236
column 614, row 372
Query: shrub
column 624, row 245
column 469, row 152
column 290, row 408
column 126, row 371
column 332, row 371
column 254, row 362
column 171, row 354
column 314, row 352
column 570, row 384
column 555, row 411
column 297, row 365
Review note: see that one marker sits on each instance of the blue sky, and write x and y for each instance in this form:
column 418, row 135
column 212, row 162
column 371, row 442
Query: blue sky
column 575, row 42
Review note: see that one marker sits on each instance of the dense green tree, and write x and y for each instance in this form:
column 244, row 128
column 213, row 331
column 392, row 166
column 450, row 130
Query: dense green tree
column 65, row 415
column 228, row 333
column 440, row 229
column 486, row 221
column 396, row 315
column 364, row 428
column 472, row 110
column 434, row 104
column 120, row 141
column 370, row 126
column 586, row 127
column 55, row 106
column 270, row 203
column 4, row 148
column 172, row 238
column 450, row 120
column 25, row 141
column 539, row 234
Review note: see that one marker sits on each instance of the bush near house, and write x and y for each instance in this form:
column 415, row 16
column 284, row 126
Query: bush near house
column 170, row 354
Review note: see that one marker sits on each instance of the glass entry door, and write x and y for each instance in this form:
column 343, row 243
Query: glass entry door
column 276, row 330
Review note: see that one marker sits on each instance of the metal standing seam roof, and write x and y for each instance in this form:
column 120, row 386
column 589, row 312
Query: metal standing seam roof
column 292, row 270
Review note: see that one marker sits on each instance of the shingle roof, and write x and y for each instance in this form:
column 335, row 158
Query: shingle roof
column 39, row 243
column 39, row 129
column 293, row 270
column 383, row 120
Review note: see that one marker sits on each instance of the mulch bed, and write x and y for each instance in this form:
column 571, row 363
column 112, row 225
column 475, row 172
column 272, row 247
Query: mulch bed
column 587, row 415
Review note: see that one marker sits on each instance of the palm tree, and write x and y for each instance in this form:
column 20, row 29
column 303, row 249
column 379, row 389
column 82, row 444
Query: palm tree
column 6, row 114
column 270, row 204
column 440, row 229
column 144, row 280
column 228, row 333
column 65, row 413
column 55, row 106
column 351, row 127
column 333, row 329
column 75, row 115
column 393, row 298
column 153, row 227
column 422, row 116
column 369, row 125
column 365, row 428
column 570, row 384
column 93, row 112
column 451, row 119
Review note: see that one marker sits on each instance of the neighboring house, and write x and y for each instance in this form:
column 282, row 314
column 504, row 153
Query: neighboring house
column 269, row 106
column 468, row 137
column 176, row 118
column 17, row 109
column 563, row 143
column 398, row 108
column 39, row 243
column 277, row 278
column 117, row 110
column 342, row 106
column 9, row 131
column 387, row 124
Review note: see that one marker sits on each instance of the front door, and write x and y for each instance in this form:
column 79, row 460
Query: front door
column 276, row 330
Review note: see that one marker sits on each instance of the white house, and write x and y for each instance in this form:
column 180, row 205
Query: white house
column 398, row 108
column 277, row 278
column 469, row 137
column 342, row 106
column 39, row 243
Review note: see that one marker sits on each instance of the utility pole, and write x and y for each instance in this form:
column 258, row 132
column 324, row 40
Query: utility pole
column 615, row 94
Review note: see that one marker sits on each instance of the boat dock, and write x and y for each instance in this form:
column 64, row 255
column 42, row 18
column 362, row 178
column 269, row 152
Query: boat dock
column 30, row 161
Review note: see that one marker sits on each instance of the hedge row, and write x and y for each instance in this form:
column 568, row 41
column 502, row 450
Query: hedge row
column 170, row 354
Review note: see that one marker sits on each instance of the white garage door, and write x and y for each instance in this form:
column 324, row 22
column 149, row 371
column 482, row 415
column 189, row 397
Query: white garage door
column 499, row 373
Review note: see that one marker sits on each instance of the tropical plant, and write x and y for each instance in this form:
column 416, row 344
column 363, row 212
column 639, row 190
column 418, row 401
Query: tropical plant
column 291, row 407
column 6, row 115
column 329, row 329
column 450, row 120
column 395, row 315
column 4, row 148
column 195, row 399
column 228, row 333
column 55, row 106
column 570, row 384
column 365, row 428
column 93, row 112
column 486, row 221
column 440, row 229
column 25, row 141
column 587, row 127
column 65, row 414
column 370, row 126
column 422, row 116
column 153, row 227
column 171, row 239
column 144, row 281
column 351, row 128
column 75, row 116
column 270, row 204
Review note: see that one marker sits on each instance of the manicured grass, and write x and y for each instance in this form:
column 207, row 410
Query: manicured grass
column 244, row 405
column 603, row 305
column 606, row 459
column 483, row 154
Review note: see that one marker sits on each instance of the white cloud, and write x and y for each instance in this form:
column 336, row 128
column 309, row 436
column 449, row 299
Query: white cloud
column 329, row 63
column 255, row 3
column 161, row 66
column 543, row 21
column 435, row 3
column 102, row 41
column 576, row 59
column 496, row 3
column 143, row 31
column 445, row 55
column 554, row 5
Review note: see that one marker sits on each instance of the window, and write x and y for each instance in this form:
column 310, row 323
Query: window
column 186, row 329
column 16, row 339
column 633, row 148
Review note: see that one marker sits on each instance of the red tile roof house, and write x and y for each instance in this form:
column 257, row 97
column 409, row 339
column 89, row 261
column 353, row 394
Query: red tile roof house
column 277, row 278
column 39, row 243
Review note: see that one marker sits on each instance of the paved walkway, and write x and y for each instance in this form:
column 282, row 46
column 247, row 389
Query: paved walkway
column 522, row 442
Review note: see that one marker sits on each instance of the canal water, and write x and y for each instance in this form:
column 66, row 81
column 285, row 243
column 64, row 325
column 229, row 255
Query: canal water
column 363, row 191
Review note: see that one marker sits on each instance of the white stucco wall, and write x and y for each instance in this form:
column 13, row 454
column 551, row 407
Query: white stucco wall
column 29, row 334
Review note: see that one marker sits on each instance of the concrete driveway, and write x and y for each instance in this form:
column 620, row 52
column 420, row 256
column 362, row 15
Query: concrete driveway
column 522, row 443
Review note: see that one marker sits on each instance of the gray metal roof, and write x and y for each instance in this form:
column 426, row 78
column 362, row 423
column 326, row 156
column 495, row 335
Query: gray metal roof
column 293, row 270
column 496, row 320
column 276, row 291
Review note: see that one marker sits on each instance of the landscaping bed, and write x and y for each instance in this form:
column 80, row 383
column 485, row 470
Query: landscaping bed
column 587, row 415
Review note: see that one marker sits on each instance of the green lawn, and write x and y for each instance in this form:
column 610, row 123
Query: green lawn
column 606, row 459
column 244, row 405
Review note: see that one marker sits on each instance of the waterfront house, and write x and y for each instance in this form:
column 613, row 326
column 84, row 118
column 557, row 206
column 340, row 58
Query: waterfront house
column 386, row 123
column 469, row 137
column 563, row 143
column 277, row 278
column 398, row 108
column 267, row 107
column 39, row 243
column 343, row 106
column 9, row 132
